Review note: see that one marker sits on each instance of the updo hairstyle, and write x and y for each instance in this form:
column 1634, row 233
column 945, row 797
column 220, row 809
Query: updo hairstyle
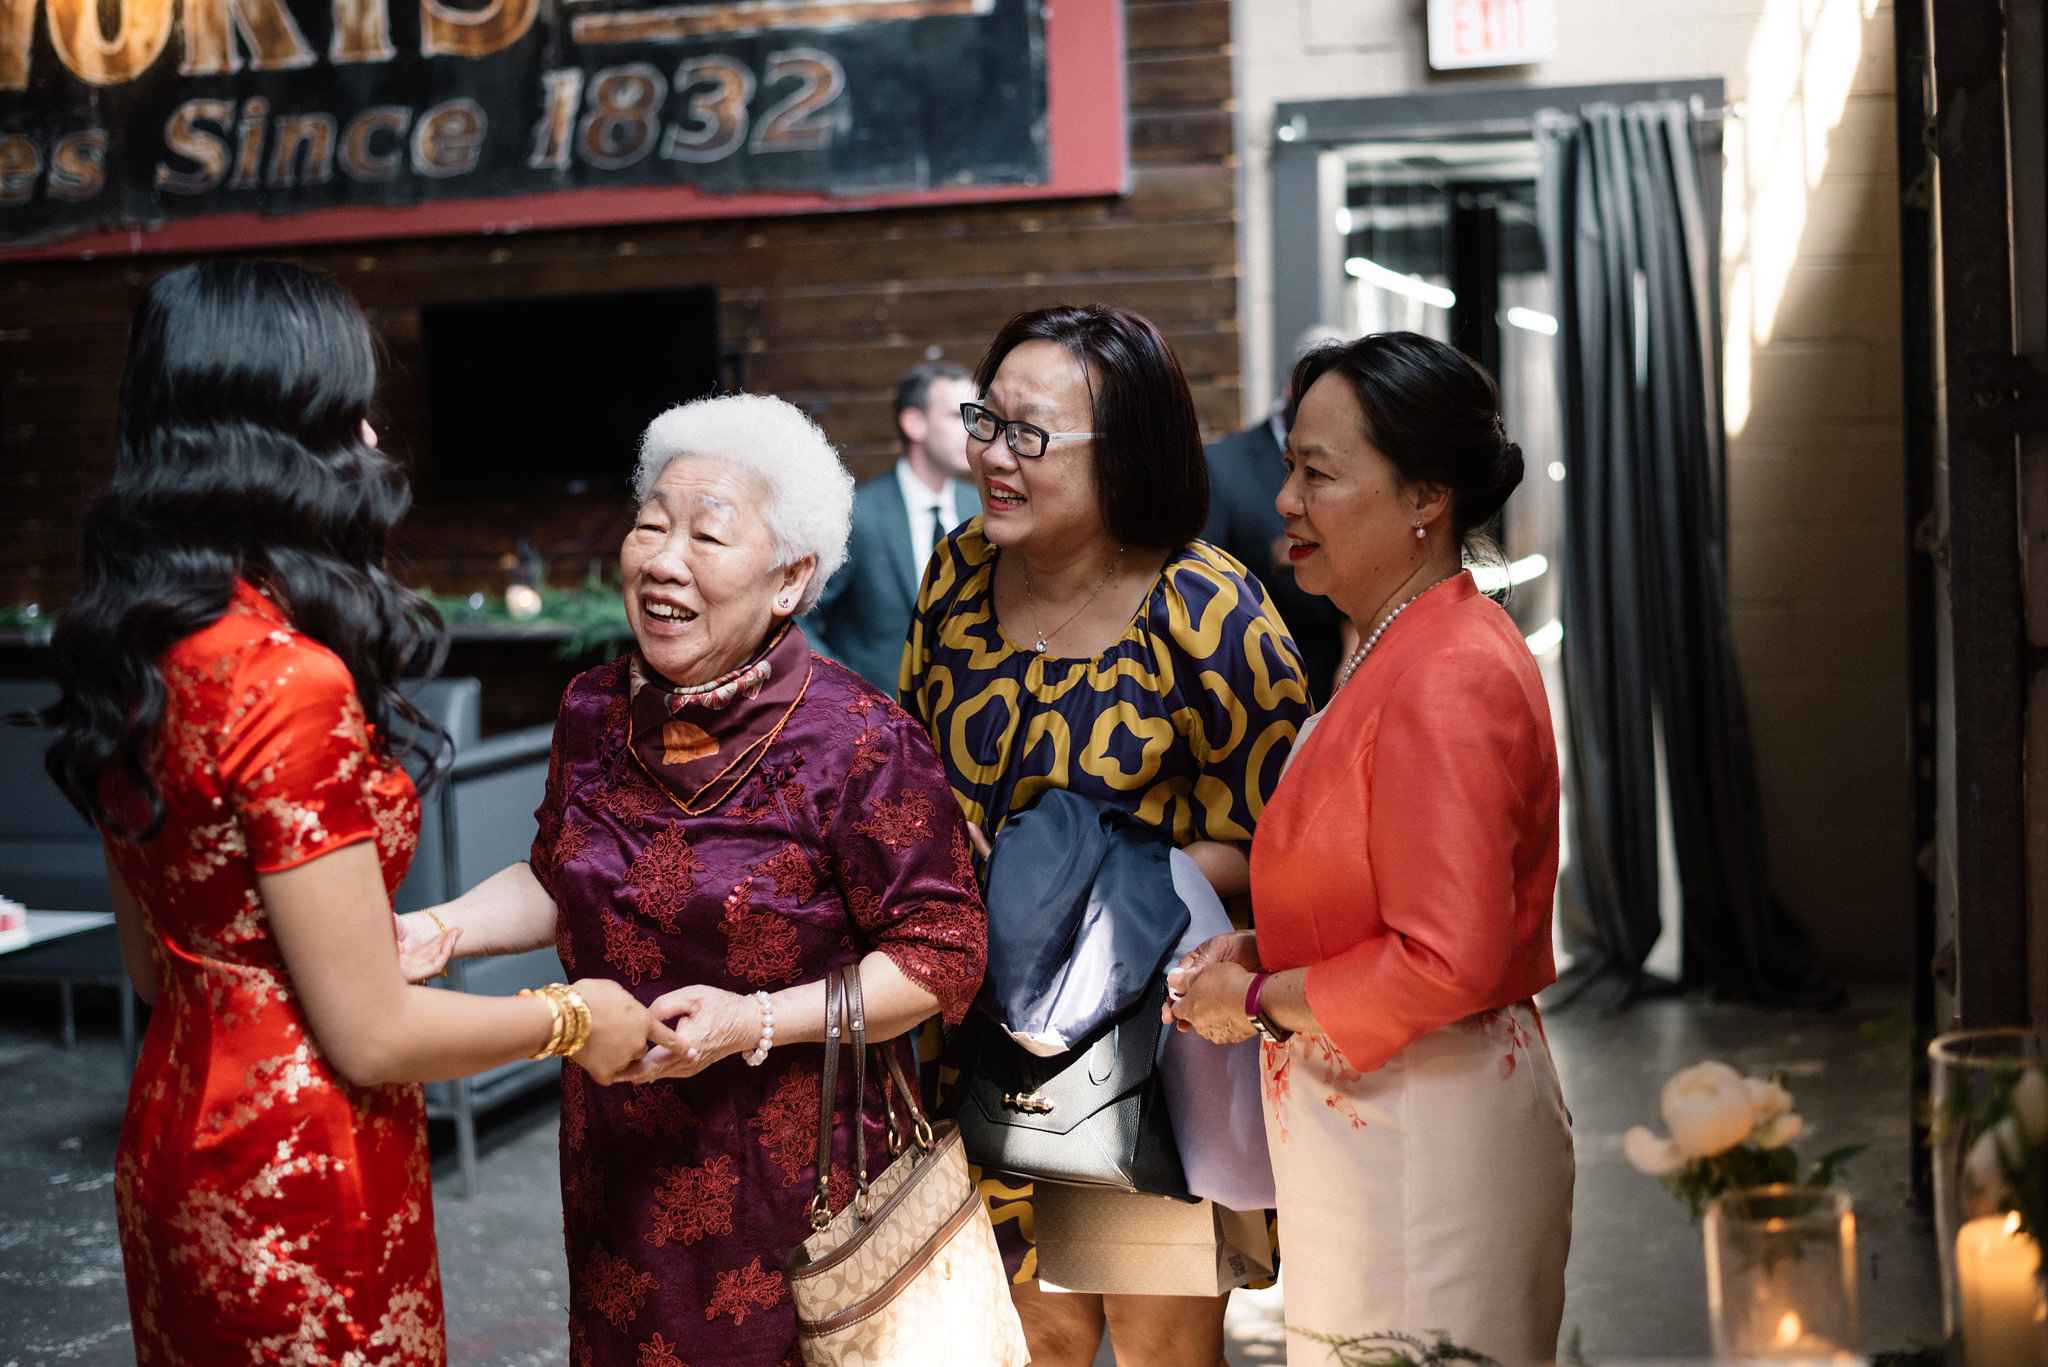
column 1434, row 413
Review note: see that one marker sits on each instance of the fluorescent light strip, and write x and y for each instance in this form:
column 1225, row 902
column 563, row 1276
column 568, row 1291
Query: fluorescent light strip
column 1546, row 638
column 1530, row 320
column 1413, row 286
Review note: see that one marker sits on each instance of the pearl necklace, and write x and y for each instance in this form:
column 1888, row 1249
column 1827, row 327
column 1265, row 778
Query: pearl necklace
column 1043, row 641
column 1358, row 656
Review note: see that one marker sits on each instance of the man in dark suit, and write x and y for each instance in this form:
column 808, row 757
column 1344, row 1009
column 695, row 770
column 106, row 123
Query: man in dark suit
column 864, row 613
column 1245, row 475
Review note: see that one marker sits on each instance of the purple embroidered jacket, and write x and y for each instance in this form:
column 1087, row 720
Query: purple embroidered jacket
column 681, row 1198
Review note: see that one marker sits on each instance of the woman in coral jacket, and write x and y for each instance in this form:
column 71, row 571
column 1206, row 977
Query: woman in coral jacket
column 1402, row 878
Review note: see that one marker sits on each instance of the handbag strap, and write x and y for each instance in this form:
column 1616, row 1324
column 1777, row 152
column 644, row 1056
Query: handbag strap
column 922, row 1128
column 857, row 1026
column 846, row 1024
column 835, row 992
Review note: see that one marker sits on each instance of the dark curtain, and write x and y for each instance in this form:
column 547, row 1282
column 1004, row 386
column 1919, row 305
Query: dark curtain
column 1647, row 645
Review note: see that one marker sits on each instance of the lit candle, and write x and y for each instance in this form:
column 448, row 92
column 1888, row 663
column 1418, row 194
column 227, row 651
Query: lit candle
column 1790, row 1342
column 1997, row 1270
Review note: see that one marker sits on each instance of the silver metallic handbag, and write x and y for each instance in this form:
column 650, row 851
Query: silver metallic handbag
column 907, row 1274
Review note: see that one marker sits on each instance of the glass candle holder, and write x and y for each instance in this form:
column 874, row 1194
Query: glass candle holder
column 1973, row 1076
column 1781, row 1274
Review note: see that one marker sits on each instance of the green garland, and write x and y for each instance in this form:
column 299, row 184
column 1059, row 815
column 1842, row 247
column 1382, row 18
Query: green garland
column 594, row 615
column 27, row 616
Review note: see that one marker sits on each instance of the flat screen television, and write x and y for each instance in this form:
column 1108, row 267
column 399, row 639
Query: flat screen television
column 550, row 396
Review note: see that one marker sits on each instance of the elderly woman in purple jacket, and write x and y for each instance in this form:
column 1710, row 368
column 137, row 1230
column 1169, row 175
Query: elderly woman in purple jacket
column 728, row 818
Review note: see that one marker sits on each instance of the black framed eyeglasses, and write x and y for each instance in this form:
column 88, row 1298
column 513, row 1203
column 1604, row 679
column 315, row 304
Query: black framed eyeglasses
column 1027, row 441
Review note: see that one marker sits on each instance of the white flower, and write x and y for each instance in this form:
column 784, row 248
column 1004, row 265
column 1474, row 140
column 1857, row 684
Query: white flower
column 1984, row 1186
column 2030, row 1104
column 1708, row 1109
column 1767, row 1100
column 1780, row 1130
column 1650, row 1153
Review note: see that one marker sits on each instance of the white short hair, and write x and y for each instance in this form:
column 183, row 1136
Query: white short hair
column 810, row 492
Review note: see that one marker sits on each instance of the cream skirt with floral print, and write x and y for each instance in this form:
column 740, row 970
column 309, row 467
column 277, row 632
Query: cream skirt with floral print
column 1430, row 1197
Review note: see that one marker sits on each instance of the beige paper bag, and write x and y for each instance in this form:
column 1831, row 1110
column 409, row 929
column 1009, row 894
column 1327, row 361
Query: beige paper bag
column 1119, row 1243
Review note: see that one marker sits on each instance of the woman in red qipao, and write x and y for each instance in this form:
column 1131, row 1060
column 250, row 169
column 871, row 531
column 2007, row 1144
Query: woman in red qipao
column 1402, row 882
column 729, row 818
column 227, row 669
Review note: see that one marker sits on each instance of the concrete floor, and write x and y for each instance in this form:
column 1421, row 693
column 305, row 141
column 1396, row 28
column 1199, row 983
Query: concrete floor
column 1635, row 1285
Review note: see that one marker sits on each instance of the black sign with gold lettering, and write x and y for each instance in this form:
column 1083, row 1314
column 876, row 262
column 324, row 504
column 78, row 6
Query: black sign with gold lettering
column 117, row 113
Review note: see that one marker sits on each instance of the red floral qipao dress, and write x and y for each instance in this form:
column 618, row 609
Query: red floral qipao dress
column 270, row 1210
column 681, row 1198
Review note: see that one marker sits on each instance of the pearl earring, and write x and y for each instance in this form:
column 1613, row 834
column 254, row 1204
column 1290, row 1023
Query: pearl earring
column 1420, row 534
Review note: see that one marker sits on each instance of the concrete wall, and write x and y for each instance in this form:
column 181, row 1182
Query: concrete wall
column 1811, row 304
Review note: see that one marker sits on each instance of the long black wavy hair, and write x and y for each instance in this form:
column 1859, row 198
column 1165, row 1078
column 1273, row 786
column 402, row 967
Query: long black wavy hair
column 241, row 454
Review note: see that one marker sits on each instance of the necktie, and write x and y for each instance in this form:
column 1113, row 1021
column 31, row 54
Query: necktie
column 939, row 527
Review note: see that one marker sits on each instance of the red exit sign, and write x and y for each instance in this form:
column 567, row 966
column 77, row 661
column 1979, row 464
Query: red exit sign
column 1466, row 33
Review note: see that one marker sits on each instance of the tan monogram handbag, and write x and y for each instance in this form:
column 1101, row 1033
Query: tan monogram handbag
column 907, row 1274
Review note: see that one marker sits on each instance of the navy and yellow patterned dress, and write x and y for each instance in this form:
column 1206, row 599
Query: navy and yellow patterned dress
column 1185, row 721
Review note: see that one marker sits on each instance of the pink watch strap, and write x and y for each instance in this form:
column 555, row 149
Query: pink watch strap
column 1251, row 995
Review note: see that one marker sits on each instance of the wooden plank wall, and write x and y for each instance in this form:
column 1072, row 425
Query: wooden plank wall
column 827, row 310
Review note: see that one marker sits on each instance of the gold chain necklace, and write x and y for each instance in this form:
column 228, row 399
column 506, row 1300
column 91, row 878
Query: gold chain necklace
column 1043, row 641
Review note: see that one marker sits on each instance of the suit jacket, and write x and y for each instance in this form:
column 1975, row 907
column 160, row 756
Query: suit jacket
column 1245, row 475
column 864, row 613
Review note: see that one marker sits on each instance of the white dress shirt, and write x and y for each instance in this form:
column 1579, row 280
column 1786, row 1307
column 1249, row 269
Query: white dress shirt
column 918, row 501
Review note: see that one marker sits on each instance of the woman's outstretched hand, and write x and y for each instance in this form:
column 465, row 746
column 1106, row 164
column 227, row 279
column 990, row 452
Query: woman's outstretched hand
column 621, row 1029
column 710, row 1024
column 424, row 948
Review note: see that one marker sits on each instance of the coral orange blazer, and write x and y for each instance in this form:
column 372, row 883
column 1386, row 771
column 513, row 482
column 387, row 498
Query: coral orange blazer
column 1408, row 858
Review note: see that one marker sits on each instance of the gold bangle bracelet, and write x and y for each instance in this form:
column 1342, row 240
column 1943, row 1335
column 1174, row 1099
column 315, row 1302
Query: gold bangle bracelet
column 555, row 1022
column 443, row 925
column 582, row 1010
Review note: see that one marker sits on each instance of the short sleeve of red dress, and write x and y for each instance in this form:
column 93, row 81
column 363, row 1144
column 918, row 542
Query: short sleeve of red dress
column 295, row 759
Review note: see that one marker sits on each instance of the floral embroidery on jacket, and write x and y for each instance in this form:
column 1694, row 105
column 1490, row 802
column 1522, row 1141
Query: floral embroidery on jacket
column 655, row 1109
column 744, row 1290
column 899, row 824
column 788, row 1124
column 693, row 1202
column 630, row 950
column 664, row 875
column 659, row 1352
column 615, row 1287
column 761, row 947
column 794, row 874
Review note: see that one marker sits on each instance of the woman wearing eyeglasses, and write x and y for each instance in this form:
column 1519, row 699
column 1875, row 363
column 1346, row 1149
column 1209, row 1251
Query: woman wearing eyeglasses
column 1076, row 635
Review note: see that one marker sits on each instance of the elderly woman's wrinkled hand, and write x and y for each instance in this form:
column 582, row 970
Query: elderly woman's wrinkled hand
column 1212, row 1003
column 620, row 1030
column 710, row 1024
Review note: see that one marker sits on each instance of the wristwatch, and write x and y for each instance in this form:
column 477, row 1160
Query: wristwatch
column 1269, row 1029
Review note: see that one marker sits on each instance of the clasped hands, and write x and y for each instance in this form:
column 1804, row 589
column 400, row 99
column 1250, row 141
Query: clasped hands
column 1205, row 990
column 678, row 1034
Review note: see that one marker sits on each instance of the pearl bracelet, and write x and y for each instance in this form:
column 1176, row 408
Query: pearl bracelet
column 760, row 1054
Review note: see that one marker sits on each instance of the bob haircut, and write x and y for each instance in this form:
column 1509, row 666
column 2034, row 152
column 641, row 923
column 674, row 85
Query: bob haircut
column 810, row 493
column 240, row 456
column 1153, row 482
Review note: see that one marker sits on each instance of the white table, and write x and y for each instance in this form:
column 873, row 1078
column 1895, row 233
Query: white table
column 72, row 947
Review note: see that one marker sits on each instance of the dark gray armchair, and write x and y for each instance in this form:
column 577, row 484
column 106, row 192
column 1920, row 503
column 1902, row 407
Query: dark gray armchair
column 50, row 860
column 477, row 820
column 49, row 856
